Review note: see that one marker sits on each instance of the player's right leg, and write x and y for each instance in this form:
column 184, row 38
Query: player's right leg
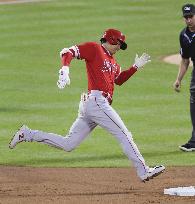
column 79, row 130
column 105, row 116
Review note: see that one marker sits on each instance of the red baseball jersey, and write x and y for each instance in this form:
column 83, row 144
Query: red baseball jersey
column 102, row 68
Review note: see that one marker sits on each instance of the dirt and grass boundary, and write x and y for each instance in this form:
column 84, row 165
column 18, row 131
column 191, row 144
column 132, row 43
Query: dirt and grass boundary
column 90, row 185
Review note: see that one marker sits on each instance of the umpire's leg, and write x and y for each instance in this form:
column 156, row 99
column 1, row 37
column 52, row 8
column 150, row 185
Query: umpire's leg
column 192, row 107
column 192, row 113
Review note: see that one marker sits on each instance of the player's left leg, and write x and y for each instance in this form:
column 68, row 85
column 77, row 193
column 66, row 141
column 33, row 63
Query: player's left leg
column 78, row 132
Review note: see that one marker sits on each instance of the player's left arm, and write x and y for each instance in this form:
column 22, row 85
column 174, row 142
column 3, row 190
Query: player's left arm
column 124, row 75
column 138, row 64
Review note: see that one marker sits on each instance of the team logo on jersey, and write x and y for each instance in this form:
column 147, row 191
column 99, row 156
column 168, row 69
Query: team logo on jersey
column 109, row 67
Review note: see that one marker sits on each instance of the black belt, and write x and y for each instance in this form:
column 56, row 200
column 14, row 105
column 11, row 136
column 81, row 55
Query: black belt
column 106, row 95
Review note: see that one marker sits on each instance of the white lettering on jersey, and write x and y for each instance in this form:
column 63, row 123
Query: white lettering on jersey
column 109, row 67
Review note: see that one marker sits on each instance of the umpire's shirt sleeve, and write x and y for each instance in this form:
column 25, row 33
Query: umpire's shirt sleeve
column 184, row 46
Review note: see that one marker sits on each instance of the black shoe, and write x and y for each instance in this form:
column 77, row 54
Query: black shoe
column 187, row 147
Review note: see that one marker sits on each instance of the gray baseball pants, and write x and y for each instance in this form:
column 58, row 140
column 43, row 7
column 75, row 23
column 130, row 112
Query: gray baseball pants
column 94, row 110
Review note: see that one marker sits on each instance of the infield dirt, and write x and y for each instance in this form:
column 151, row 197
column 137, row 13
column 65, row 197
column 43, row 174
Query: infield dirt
column 20, row 185
column 173, row 59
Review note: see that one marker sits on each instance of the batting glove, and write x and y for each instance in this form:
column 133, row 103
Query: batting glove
column 64, row 78
column 141, row 61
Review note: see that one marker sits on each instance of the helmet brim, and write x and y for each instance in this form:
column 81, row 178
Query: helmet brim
column 123, row 44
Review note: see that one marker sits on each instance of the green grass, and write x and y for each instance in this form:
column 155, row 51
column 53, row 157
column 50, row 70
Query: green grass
column 32, row 36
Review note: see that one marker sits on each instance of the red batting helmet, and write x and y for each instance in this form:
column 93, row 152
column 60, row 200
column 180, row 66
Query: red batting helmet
column 113, row 37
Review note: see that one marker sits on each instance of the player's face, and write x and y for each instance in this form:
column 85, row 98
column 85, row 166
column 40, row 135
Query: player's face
column 190, row 22
column 114, row 48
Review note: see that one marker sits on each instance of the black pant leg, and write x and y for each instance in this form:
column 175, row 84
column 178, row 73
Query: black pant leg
column 192, row 113
column 192, row 106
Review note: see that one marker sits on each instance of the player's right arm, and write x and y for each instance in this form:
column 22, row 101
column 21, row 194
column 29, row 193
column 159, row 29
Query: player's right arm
column 84, row 51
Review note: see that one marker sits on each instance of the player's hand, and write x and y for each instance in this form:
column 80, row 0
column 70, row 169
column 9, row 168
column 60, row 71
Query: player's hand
column 177, row 86
column 63, row 51
column 141, row 61
column 64, row 78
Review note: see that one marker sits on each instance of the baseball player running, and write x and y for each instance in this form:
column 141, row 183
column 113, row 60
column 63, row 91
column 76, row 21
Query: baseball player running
column 95, row 105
